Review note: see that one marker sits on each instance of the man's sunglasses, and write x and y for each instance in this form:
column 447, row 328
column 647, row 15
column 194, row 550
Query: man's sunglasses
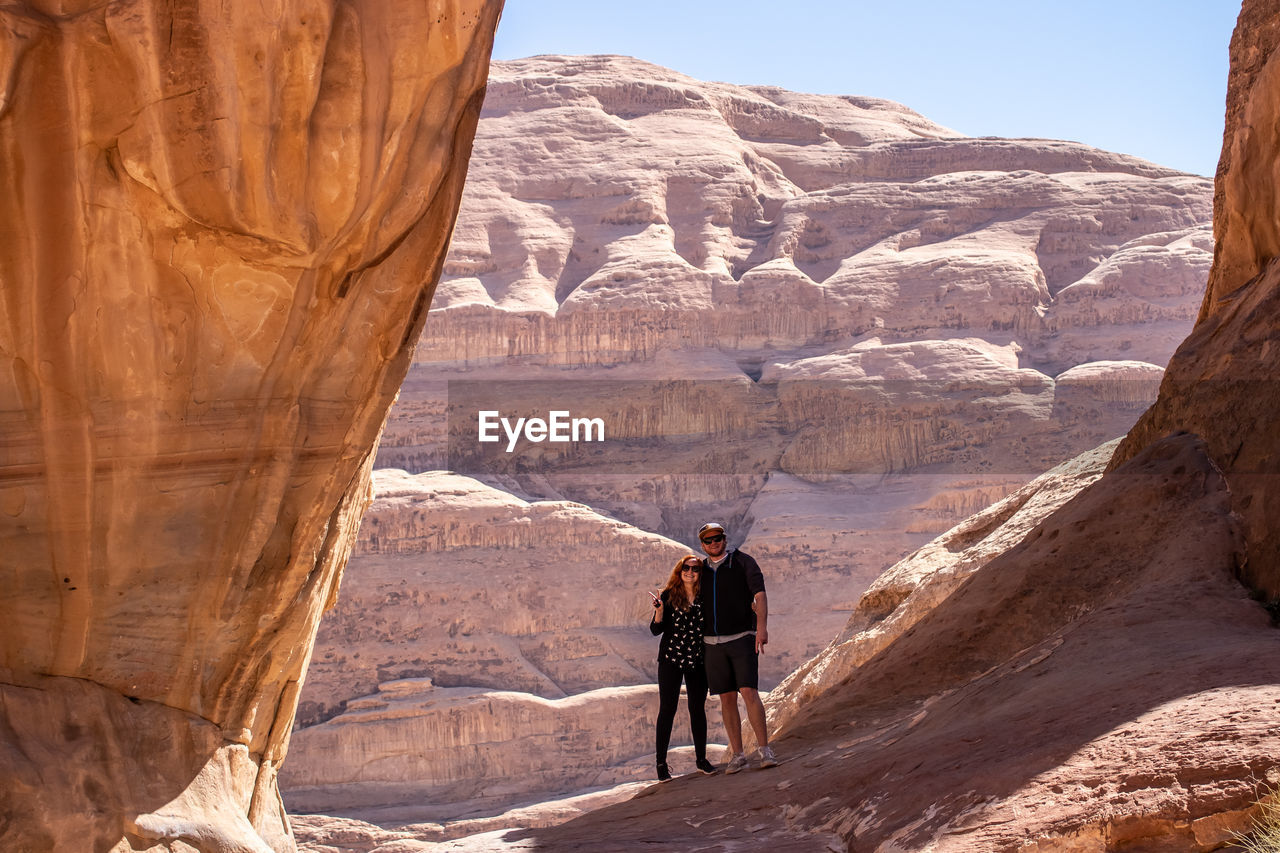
column 707, row 540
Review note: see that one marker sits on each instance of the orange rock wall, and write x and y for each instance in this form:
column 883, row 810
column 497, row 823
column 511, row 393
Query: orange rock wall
column 220, row 228
column 1223, row 383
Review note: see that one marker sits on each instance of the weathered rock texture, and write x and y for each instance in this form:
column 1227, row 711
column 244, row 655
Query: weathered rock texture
column 221, row 228
column 1107, row 682
column 618, row 210
column 827, row 322
column 1223, row 383
column 415, row 752
column 1079, row 675
column 711, row 267
column 913, row 588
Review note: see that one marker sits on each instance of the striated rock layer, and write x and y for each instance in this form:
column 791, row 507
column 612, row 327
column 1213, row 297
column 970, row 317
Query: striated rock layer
column 827, row 322
column 471, row 586
column 1056, row 674
column 221, row 228
column 417, row 752
column 618, row 209
column 709, row 267
column 1094, row 679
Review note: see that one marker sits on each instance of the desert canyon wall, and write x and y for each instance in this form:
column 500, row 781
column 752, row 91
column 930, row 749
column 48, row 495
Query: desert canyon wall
column 1221, row 383
column 222, row 224
column 1086, row 665
column 826, row 321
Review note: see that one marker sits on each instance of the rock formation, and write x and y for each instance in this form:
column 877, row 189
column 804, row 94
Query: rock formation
column 1078, row 667
column 664, row 228
column 828, row 322
column 1093, row 676
column 416, row 752
column 222, row 225
column 1104, row 684
column 473, row 587
column 657, row 213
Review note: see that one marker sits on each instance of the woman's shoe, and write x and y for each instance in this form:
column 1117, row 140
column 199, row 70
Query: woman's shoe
column 706, row 767
column 664, row 775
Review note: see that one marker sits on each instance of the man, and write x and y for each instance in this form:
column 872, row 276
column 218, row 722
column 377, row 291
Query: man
column 735, row 620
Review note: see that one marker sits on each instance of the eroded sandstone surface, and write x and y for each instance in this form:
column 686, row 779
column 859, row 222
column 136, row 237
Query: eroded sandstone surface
column 221, row 229
column 825, row 321
column 1099, row 677
column 1083, row 666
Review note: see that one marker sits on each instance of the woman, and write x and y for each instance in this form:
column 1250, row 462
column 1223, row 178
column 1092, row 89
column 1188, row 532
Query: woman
column 677, row 616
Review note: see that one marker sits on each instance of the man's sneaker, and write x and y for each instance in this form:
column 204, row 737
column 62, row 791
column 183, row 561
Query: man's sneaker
column 706, row 767
column 738, row 762
column 767, row 758
column 664, row 775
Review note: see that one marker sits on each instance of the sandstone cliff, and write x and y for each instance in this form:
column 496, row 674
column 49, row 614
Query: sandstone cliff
column 471, row 586
column 828, row 322
column 1093, row 678
column 626, row 227
column 617, row 210
column 222, row 225
column 1104, row 684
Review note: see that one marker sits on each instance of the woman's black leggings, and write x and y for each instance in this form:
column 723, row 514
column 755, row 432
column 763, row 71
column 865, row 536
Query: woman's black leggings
column 669, row 678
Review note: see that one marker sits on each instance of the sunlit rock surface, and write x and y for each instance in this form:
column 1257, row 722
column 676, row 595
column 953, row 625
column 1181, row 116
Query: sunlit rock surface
column 1093, row 676
column 1078, row 668
column 827, row 322
column 617, row 210
column 625, row 225
column 471, row 586
column 1106, row 683
column 415, row 752
column 221, row 229
column 1223, row 382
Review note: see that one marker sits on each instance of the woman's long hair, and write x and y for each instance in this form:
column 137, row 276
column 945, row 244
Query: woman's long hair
column 675, row 584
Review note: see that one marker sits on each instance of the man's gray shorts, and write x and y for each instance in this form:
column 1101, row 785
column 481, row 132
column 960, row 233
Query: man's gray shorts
column 732, row 665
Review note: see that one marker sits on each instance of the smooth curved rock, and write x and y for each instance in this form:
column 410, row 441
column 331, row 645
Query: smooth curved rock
column 222, row 227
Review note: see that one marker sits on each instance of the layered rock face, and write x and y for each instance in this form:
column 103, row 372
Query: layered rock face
column 221, row 229
column 827, row 322
column 415, row 752
column 626, row 227
column 485, row 651
column 471, row 586
column 655, row 212
column 1079, row 675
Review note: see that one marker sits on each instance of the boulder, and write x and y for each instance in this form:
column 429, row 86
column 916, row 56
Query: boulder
column 222, row 228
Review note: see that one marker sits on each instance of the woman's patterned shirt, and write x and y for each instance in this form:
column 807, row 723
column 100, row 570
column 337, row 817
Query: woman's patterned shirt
column 682, row 644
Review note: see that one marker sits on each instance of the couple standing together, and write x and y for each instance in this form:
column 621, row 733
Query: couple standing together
column 713, row 617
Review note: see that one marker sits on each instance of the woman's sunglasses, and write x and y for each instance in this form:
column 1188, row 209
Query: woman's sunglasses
column 694, row 568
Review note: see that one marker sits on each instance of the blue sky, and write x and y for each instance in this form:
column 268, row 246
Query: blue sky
column 1137, row 76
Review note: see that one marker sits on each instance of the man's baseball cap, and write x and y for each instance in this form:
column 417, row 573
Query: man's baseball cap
column 710, row 525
